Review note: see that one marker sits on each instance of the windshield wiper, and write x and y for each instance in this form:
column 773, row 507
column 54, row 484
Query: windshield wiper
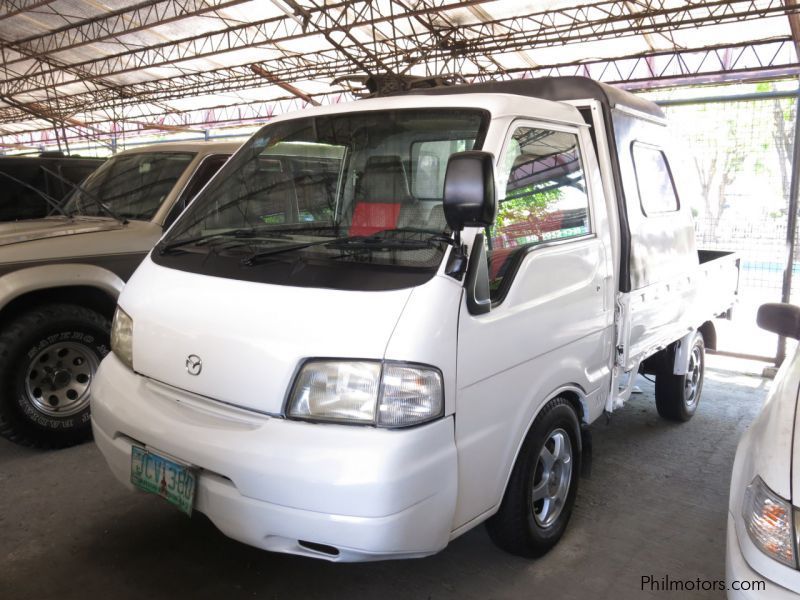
column 205, row 238
column 373, row 243
column 381, row 240
column 54, row 204
column 242, row 232
column 358, row 242
column 91, row 196
column 256, row 257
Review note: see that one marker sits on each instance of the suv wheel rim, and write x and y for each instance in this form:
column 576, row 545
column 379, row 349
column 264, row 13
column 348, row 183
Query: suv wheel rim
column 58, row 378
column 552, row 477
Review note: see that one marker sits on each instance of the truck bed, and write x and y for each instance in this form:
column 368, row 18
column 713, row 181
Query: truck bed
column 664, row 312
column 719, row 278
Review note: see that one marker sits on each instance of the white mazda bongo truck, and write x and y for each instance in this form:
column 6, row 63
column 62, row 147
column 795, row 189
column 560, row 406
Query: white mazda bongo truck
column 383, row 323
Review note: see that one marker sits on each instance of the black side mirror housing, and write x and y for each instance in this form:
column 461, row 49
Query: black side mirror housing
column 469, row 195
column 783, row 319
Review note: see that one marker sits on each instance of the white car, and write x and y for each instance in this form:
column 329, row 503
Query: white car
column 763, row 512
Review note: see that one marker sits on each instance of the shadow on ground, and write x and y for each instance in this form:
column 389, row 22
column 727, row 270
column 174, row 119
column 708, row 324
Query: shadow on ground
column 654, row 505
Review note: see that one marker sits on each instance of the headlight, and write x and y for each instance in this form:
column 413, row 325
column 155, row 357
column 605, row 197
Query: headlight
column 341, row 391
column 122, row 337
column 369, row 392
column 768, row 520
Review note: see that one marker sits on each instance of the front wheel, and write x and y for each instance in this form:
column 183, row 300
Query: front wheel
column 48, row 358
column 677, row 396
column 541, row 491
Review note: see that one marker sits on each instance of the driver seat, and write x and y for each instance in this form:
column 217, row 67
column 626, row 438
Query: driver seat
column 382, row 192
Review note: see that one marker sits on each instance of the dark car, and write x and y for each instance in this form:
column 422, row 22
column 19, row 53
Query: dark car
column 21, row 176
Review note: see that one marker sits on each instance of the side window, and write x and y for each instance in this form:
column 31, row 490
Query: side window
column 545, row 197
column 204, row 172
column 19, row 201
column 653, row 180
column 52, row 185
column 77, row 172
column 429, row 163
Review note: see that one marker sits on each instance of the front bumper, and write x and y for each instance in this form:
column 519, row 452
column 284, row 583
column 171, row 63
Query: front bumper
column 368, row 493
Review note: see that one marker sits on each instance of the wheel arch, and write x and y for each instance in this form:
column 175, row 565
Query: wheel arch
column 86, row 285
column 577, row 398
column 709, row 332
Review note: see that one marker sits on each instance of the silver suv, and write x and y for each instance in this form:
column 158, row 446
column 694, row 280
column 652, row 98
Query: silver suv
column 60, row 277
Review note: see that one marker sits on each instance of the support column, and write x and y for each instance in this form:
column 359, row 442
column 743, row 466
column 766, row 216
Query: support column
column 791, row 227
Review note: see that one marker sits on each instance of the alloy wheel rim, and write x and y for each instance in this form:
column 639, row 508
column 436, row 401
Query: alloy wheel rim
column 692, row 381
column 58, row 378
column 552, row 478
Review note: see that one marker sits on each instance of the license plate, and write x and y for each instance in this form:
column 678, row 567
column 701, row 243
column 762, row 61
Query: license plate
column 158, row 475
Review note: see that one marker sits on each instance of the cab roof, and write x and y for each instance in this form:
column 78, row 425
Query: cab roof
column 497, row 103
column 558, row 89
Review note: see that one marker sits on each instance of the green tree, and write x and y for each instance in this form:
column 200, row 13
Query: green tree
column 526, row 206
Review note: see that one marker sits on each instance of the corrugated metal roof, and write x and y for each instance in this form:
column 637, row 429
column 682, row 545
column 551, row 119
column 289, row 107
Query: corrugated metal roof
column 103, row 68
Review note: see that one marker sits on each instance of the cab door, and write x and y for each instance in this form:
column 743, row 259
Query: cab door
column 551, row 321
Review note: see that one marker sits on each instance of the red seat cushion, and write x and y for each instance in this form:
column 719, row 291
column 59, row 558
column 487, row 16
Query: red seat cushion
column 371, row 217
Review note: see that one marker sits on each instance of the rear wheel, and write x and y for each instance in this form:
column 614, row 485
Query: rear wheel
column 677, row 396
column 48, row 359
column 541, row 492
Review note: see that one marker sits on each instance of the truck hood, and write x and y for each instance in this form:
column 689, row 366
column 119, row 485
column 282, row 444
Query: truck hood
column 250, row 337
column 38, row 229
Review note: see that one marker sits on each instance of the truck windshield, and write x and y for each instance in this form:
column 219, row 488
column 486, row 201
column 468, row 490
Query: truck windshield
column 131, row 186
column 335, row 192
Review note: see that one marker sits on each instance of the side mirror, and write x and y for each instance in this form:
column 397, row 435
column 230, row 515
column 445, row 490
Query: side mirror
column 783, row 319
column 469, row 196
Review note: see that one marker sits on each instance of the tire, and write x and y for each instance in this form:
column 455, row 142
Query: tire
column 530, row 527
column 48, row 357
column 677, row 396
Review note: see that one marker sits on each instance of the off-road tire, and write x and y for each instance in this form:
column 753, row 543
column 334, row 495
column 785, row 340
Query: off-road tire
column 21, row 342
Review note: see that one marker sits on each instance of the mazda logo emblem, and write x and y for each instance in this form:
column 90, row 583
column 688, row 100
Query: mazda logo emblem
column 194, row 364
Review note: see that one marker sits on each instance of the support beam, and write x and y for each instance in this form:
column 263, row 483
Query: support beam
column 599, row 21
column 108, row 25
column 794, row 22
column 737, row 62
column 321, row 19
column 11, row 8
column 791, row 227
column 52, row 110
column 82, row 130
column 144, row 120
column 284, row 86
column 419, row 36
column 19, row 147
column 165, row 127
column 746, row 61
column 370, row 60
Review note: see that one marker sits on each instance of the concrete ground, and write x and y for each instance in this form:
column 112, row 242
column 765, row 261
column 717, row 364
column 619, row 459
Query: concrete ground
column 655, row 505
